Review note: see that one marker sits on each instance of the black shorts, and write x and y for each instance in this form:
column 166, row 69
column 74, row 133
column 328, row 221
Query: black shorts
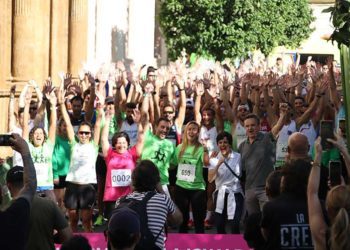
column 79, row 196
column 62, row 184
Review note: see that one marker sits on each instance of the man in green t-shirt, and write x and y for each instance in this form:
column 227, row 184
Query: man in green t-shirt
column 159, row 150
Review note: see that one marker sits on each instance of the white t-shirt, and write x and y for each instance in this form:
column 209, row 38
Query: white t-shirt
column 17, row 157
column 240, row 133
column 308, row 129
column 282, row 141
column 82, row 165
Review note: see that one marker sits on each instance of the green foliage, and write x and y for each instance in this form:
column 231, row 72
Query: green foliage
column 233, row 28
column 340, row 15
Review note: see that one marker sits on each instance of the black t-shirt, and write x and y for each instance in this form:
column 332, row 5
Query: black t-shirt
column 286, row 219
column 14, row 224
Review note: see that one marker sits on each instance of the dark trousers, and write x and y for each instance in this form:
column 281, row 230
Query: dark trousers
column 197, row 199
column 221, row 219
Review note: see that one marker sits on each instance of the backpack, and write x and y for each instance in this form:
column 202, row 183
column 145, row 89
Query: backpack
column 147, row 241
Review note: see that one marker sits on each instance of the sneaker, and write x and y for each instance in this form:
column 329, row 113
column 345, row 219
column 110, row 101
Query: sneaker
column 99, row 221
column 207, row 224
column 190, row 224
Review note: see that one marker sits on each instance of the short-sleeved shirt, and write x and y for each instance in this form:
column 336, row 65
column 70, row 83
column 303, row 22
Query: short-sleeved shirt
column 160, row 152
column 82, row 165
column 190, row 168
column 158, row 208
column 224, row 176
column 258, row 159
column 42, row 159
column 45, row 216
column 14, row 225
column 119, row 169
column 61, row 157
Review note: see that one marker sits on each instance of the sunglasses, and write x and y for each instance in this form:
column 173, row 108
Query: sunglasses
column 84, row 132
column 168, row 112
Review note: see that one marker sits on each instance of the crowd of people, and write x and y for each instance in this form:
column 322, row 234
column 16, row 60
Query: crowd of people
column 222, row 146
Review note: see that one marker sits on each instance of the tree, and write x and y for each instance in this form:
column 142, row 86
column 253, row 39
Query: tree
column 233, row 28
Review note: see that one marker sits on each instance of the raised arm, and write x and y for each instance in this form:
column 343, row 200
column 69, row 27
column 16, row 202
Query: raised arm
column 307, row 114
column 197, row 103
column 143, row 125
column 64, row 113
column 53, row 114
column 11, row 110
column 97, row 129
column 104, row 135
column 278, row 126
column 89, row 111
column 316, row 219
column 37, row 90
column 339, row 143
column 29, row 175
column 182, row 109
column 28, row 98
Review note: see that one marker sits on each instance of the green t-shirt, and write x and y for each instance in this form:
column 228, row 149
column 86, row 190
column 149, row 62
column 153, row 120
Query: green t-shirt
column 160, row 152
column 328, row 155
column 61, row 157
column 6, row 197
column 190, row 168
column 42, row 159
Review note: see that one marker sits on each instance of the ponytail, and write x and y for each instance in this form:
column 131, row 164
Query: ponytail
column 340, row 231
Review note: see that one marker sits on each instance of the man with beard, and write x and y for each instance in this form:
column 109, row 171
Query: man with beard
column 159, row 150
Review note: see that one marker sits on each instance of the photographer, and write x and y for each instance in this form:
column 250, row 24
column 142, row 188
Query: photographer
column 15, row 219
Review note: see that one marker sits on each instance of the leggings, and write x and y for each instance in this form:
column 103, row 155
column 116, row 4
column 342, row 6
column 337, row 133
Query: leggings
column 197, row 199
column 220, row 219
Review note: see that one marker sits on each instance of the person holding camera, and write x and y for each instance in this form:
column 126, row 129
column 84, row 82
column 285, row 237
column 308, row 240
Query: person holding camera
column 15, row 219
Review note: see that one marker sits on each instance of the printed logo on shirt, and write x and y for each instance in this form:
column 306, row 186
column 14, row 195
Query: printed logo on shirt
column 296, row 236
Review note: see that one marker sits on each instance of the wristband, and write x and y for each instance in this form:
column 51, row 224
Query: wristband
column 181, row 89
column 145, row 94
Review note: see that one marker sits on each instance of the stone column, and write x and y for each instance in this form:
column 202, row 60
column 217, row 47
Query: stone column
column 141, row 31
column 59, row 38
column 77, row 50
column 5, row 41
column 31, row 32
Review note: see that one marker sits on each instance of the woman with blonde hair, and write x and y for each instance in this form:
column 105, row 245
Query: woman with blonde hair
column 335, row 236
column 190, row 185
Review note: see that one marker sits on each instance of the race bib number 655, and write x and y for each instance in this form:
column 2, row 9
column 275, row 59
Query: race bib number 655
column 186, row 172
column 121, row 177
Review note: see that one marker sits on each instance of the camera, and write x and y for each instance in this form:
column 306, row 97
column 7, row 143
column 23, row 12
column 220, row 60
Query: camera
column 5, row 140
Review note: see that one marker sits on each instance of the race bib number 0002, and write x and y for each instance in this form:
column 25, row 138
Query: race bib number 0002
column 121, row 177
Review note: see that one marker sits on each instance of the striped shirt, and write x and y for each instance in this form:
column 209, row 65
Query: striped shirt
column 158, row 208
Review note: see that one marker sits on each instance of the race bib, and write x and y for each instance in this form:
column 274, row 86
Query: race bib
column 121, row 177
column 42, row 174
column 186, row 172
column 281, row 150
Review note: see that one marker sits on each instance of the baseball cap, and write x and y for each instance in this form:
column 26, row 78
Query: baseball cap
column 124, row 220
column 15, row 174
